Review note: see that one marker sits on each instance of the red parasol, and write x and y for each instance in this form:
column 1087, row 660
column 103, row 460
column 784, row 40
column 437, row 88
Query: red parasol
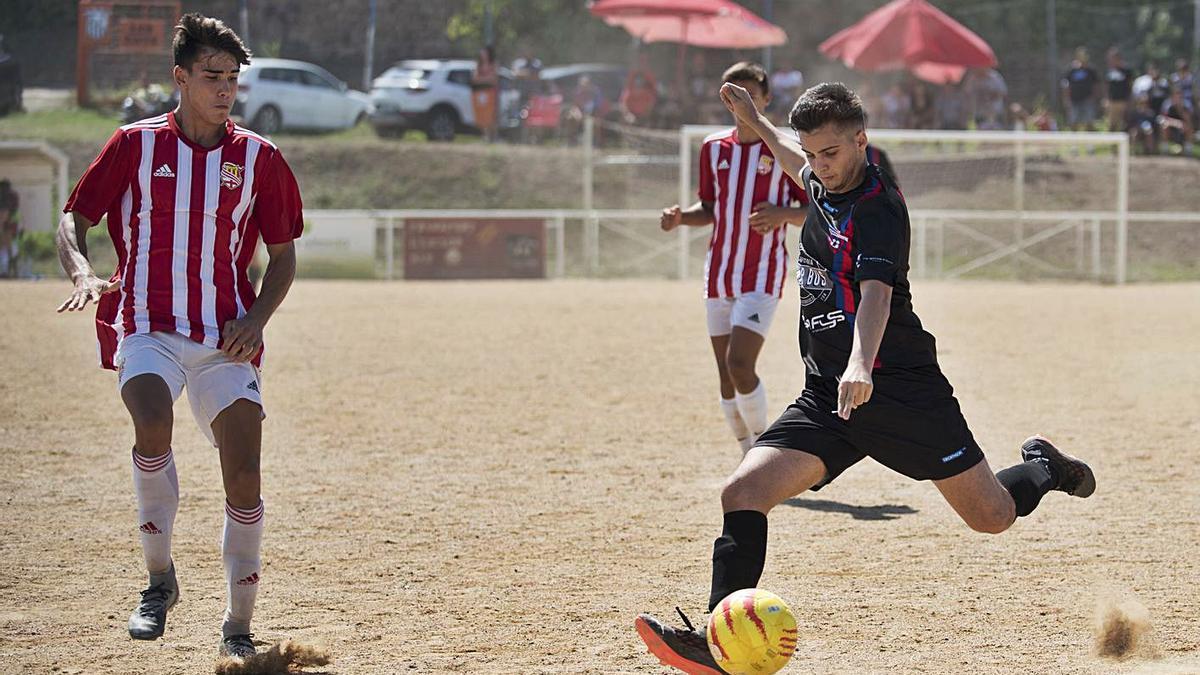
column 912, row 35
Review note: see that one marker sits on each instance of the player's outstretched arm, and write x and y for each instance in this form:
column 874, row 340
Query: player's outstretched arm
column 242, row 338
column 786, row 149
column 856, row 384
column 71, row 240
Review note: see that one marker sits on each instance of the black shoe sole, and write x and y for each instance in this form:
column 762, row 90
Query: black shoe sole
column 1087, row 481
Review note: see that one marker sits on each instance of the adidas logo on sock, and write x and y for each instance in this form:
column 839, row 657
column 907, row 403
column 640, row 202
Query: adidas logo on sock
column 164, row 171
column 249, row 581
column 149, row 527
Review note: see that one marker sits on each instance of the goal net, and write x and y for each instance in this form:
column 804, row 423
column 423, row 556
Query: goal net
column 988, row 204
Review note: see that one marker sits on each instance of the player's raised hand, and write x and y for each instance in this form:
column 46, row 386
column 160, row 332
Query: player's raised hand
column 767, row 217
column 739, row 102
column 88, row 287
column 854, row 389
column 671, row 218
column 241, row 339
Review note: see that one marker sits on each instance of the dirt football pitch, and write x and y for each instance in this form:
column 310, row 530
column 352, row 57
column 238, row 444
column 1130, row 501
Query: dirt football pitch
column 497, row 477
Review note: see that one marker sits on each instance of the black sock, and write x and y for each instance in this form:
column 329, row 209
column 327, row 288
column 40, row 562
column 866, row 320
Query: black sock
column 1027, row 482
column 738, row 554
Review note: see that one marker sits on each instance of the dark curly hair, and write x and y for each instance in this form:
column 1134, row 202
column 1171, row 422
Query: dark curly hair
column 195, row 32
column 825, row 103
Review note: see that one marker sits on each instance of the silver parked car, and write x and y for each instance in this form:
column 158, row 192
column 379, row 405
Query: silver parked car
column 276, row 94
column 434, row 95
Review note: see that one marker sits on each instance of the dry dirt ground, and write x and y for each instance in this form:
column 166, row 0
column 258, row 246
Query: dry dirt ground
column 496, row 477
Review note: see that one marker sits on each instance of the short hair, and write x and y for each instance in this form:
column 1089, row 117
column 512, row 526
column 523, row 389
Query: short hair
column 195, row 32
column 748, row 71
column 828, row 102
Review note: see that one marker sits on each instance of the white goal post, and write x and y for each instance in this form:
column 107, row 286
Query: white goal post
column 994, row 196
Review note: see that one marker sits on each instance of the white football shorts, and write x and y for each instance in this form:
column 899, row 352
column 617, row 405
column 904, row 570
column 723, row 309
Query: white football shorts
column 752, row 311
column 213, row 381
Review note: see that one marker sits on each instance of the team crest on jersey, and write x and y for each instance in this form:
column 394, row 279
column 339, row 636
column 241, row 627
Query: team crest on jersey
column 231, row 175
column 835, row 237
column 813, row 279
column 765, row 164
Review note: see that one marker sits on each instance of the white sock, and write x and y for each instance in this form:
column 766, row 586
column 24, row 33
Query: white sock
column 157, row 488
column 240, row 551
column 746, row 443
column 753, row 408
column 729, row 406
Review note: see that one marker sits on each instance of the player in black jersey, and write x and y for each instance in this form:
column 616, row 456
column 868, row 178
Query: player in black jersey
column 873, row 386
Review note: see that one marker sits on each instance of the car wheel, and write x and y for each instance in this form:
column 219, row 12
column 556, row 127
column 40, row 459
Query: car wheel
column 268, row 120
column 442, row 124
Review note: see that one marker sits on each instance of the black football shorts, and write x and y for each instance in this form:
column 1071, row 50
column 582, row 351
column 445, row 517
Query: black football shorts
column 912, row 425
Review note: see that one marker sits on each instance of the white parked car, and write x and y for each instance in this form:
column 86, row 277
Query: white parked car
column 434, row 95
column 275, row 94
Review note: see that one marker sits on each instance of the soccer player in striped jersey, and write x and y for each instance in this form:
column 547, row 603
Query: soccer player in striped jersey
column 187, row 196
column 748, row 200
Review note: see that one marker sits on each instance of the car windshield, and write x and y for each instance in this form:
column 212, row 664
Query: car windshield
column 399, row 73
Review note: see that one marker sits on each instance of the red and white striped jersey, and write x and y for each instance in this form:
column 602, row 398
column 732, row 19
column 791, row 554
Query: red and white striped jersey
column 736, row 176
column 185, row 221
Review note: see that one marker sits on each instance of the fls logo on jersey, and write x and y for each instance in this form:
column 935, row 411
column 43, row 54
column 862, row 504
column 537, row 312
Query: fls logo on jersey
column 231, row 176
column 765, row 164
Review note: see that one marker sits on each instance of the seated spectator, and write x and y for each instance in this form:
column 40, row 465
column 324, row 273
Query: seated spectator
column 896, row 108
column 1042, row 120
column 951, row 108
column 923, row 109
column 1176, row 121
column 586, row 101
column 1153, row 85
column 542, row 115
column 638, row 99
column 1144, row 127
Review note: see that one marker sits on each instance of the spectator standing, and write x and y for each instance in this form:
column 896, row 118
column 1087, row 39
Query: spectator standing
column 1080, row 84
column 1120, row 91
column 896, row 108
column 924, row 110
column 951, row 107
column 788, row 83
column 485, row 94
column 1154, row 86
column 10, row 229
column 986, row 91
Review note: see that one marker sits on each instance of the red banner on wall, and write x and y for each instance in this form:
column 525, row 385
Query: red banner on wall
column 474, row 248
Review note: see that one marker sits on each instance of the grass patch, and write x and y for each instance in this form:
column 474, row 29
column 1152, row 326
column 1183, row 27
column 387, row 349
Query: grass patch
column 60, row 126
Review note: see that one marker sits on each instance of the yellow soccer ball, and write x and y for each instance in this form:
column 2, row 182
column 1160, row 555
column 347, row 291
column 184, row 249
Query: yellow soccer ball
column 752, row 632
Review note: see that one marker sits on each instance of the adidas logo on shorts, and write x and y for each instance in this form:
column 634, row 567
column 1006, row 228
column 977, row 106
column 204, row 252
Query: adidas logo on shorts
column 253, row 386
column 164, row 171
column 754, row 318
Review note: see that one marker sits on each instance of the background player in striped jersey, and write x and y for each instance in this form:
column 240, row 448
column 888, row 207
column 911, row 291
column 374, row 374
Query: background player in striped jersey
column 187, row 195
column 748, row 199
